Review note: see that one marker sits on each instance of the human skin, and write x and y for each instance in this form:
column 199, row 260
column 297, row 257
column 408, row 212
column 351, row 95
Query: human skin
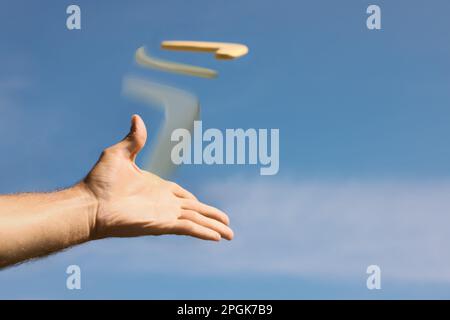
column 116, row 199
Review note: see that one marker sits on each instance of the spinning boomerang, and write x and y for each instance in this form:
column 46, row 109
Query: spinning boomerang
column 181, row 108
column 222, row 50
column 145, row 60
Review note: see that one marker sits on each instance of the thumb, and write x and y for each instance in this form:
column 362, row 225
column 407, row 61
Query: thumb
column 133, row 143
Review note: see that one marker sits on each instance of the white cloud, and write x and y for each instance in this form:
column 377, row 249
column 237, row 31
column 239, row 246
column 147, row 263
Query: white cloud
column 328, row 230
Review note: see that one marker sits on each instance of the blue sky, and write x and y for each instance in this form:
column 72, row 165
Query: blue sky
column 364, row 162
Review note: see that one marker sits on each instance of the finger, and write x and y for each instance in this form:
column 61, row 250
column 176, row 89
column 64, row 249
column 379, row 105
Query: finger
column 135, row 140
column 215, row 225
column 205, row 210
column 189, row 228
column 181, row 192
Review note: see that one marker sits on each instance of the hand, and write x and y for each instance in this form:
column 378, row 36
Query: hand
column 132, row 202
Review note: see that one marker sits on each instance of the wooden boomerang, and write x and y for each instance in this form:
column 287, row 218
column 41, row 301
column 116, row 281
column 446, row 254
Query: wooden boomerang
column 222, row 50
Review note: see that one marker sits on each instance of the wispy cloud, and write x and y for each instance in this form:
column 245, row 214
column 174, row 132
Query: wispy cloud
column 330, row 230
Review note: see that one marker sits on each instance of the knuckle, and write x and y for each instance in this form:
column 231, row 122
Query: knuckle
column 190, row 227
column 105, row 152
column 171, row 185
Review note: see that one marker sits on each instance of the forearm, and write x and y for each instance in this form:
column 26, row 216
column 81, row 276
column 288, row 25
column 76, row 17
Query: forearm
column 37, row 224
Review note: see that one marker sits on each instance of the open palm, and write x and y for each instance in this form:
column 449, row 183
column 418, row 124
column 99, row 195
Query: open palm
column 134, row 202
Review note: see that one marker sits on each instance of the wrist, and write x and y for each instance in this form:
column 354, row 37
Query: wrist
column 90, row 207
